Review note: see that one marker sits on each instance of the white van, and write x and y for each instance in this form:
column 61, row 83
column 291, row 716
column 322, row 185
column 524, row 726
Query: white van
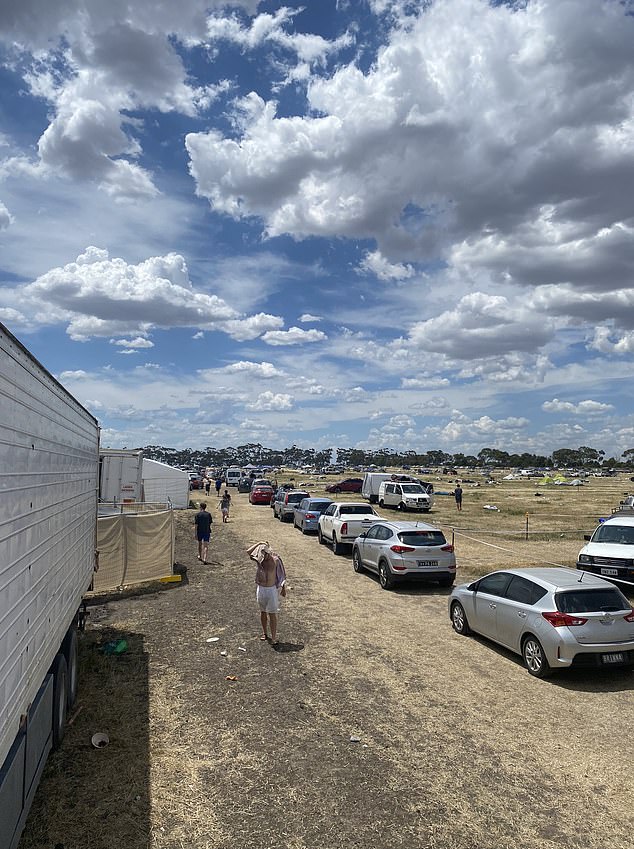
column 405, row 496
column 233, row 475
column 371, row 483
column 373, row 480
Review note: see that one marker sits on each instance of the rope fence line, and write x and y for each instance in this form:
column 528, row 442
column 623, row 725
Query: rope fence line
column 535, row 560
column 507, row 550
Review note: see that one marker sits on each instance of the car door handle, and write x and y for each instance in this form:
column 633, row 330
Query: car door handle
column 492, row 606
column 521, row 614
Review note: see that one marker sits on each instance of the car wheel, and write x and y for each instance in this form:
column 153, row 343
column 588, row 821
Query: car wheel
column 357, row 563
column 320, row 537
column 446, row 582
column 386, row 579
column 534, row 658
column 381, row 503
column 60, row 698
column 401, row 507
column 337, row 489
column 303, row 530
column 337, row 547
column 459, row 620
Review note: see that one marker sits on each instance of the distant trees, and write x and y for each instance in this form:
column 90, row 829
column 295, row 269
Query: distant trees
column 256, row 454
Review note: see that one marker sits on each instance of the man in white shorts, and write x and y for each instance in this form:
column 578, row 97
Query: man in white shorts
column 270, row 580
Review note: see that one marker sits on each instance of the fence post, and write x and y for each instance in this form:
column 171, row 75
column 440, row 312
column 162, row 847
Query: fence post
column 527, row 524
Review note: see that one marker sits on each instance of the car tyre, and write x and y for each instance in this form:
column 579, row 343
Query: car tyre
column 337, row 547
column 320, row 537
column 357, row 563
column 60, row 698
column 401, row 507
column 381, row 503
column 303, row 530
column 459, row 621
column 535, row 658
column 386, row 579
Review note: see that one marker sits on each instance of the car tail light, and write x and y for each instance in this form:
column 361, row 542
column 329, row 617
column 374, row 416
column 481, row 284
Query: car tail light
column 344, row 529
column 310, row 516
column 401, row 549
column 629, row 617
column 558, row 619
column 448, row 547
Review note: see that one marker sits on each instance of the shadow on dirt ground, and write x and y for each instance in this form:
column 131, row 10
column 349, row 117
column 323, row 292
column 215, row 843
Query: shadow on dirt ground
column 84, row 789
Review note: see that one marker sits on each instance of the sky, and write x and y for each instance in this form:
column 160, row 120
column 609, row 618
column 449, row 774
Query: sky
column 337, row 223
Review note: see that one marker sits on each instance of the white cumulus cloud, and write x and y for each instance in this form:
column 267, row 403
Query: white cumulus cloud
column 293, row 336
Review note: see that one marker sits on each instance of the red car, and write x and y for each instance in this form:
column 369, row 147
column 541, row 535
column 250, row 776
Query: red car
column 261, row 494
column 347, row 485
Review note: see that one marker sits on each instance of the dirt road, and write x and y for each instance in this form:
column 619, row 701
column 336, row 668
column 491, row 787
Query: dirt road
column 458, row 747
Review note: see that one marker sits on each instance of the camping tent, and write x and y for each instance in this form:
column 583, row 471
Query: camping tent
column 162, row 483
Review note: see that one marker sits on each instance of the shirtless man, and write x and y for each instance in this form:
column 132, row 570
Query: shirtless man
column 270, row 580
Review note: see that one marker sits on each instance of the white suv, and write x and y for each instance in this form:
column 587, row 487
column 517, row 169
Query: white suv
column 609, row 552
column 404, row 496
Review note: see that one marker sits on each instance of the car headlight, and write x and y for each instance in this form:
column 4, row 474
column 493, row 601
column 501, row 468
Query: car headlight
column 585, row 558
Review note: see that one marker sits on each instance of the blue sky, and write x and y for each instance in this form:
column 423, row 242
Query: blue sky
column 374, row 224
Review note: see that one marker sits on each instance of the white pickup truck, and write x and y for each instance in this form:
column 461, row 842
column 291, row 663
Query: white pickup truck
column 342, row 522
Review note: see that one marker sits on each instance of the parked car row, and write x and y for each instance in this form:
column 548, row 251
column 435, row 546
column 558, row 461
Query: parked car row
column 554, row 618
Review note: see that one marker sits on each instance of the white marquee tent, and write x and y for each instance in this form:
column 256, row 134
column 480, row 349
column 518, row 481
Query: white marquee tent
column 162, row 482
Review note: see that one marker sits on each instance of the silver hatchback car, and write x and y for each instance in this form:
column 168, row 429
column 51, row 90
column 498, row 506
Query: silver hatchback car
column 398, row 550
column 554, row 618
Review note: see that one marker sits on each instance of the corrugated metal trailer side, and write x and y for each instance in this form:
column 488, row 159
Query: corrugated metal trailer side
column 49, row 456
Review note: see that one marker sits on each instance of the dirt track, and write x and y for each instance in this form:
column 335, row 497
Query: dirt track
column 459, row 746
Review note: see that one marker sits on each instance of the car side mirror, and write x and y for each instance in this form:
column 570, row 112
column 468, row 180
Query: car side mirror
column 473, row 587
column 362, row 535
column 587, row 537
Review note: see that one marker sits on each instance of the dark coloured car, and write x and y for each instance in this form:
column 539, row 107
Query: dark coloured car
column 244, row 485
column 347, row 485
column 307, row 513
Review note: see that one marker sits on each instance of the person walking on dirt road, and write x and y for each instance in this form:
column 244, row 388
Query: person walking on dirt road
column 202, row 521
column 225, row 504
column 270, row 579
column 457, row 494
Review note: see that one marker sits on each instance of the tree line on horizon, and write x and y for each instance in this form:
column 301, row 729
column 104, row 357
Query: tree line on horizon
column 256, row 454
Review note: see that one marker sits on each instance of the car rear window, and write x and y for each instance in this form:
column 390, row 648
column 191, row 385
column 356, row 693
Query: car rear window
column 591, row 600
column 422, row 537
column 295, row 497
column 353, row 509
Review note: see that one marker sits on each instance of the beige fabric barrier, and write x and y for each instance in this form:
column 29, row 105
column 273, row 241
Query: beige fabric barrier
column 134, row 548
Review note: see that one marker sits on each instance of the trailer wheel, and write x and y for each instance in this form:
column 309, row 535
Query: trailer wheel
column 60, row 698
column 69, row 647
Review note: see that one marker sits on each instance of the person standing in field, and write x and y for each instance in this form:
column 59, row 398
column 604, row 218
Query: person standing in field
column 457, row 494
column 207, row 486
column 202, row 521
column 270, row 581
column 225, row 504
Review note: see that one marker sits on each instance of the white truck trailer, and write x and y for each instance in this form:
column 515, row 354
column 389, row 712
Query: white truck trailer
column 49, row 459
column 120, row 475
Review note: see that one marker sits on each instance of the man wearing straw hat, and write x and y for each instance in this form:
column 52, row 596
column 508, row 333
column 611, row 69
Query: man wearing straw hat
column 270, row 580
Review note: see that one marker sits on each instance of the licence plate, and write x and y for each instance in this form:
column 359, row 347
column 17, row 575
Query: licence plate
column 616, row 657
column 613, row 572
column 427, row 562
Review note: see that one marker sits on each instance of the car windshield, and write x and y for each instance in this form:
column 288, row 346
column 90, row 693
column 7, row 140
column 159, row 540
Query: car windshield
column 592, row 600
column 422, row 537
column 620, row 534
column 354, row 509
column 411, row 487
